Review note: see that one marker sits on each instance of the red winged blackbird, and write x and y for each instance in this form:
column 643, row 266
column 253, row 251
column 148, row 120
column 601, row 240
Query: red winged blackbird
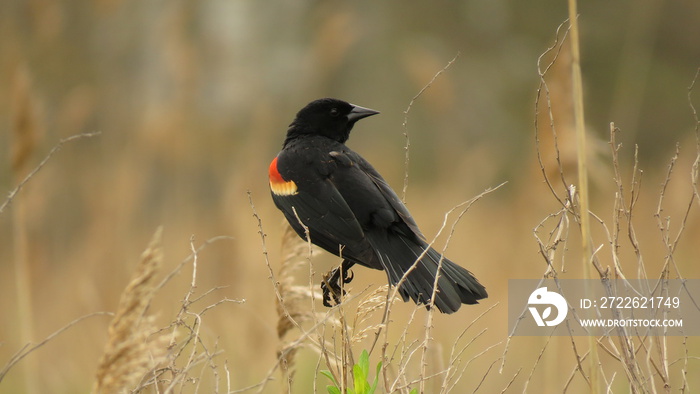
column 350, row 210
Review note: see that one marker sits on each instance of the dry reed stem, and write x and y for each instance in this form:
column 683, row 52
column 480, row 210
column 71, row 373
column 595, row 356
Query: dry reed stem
column 626, row 355
column 581, row 153
column 29, row 348
column 13, row 193
column 695, row 173
column 641, row 372
column 26, row 129
column 291, row 307
column 465, row 206
column 404, row 125
column 288, row 298
column 392, row 295
column 288, row 318
column 190, row 349
column 556, row 47
column 429, row 323
column 130, row 352
column 456, row 355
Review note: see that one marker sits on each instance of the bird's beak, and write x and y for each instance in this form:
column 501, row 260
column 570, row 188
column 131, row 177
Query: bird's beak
column 358, row 113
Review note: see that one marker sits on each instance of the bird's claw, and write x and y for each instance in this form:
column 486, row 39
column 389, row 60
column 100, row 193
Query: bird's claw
column 332, row 285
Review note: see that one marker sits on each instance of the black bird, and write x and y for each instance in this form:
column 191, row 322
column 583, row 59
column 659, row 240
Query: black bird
column 350, row 210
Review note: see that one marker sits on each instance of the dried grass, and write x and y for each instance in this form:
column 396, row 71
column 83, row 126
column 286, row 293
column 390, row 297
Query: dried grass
column 643, row 361
column 132, row 350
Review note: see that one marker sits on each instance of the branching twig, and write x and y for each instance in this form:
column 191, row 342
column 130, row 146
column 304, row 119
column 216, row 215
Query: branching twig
column 43, row 162
column 405, row 123
column 29, row 348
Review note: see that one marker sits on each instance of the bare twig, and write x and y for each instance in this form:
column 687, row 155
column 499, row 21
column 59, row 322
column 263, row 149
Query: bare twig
column 29, row 348
column 557, row 47
column 46, row 159
column 405, row 123
column 695, row 173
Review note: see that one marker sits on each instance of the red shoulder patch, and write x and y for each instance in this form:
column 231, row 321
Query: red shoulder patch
column 275, row 175
column 278, row 184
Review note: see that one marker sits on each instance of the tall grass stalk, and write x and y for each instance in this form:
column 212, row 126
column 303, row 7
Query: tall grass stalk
column 579, row 123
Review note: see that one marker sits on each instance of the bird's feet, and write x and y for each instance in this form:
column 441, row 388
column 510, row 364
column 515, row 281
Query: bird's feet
column 332, row 285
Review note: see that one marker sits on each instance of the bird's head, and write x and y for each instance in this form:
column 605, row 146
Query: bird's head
column 328, row 117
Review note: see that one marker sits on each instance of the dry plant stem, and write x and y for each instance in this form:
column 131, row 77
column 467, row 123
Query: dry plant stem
column 185, row 310
column 285, row 286
column 557, row 45
column 190, row 346
column 483, row 378
column 448, row 387
column 665, row 223
column 623, row 209
column 466, row 205
column 29, row 348
column 129, row 353
column 429, row 322
column 405, row 123
column 456, row 355
column 634, row 197
column 23, row 148
column 345, row 352
column 228, row 377
column 347, row 360
column 537, row 362
column 670, row 246
column 644, row 359
column 13, row 193
column 403, row 350
column 189, row 258
column 281, row 305
column 654, row 349
column 505, row 389
column 577, row 92
column 575, row 369
column 306, row 334
column 557, row 236
column 582, row 175
column 192, row 323
column 275, row 283
column 393, row 293
column 548, row 249
column 695, row 173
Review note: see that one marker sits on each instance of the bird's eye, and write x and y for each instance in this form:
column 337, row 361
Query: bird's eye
column 335, row 112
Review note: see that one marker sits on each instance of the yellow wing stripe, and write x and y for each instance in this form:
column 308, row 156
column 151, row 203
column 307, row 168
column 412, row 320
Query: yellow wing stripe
column 286, row 188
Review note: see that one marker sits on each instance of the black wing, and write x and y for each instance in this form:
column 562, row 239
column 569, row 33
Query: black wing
column 359, row 163
column 321, row 208
column 324, row 212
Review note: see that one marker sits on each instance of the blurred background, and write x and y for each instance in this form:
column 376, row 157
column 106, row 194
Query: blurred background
column 192, row 100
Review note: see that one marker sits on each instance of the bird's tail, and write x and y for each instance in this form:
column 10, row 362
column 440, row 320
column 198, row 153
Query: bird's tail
column 456, row 285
